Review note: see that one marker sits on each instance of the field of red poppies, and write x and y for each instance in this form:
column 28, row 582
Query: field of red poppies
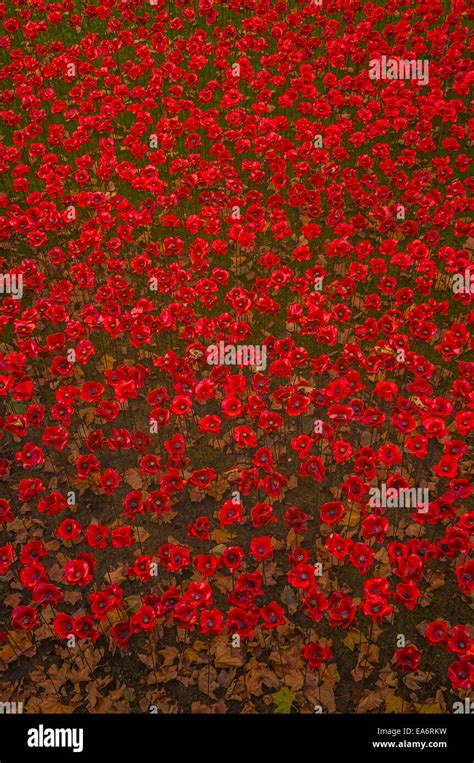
column 236, row 369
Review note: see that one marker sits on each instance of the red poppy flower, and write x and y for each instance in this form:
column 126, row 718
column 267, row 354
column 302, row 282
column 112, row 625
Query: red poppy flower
column 199, row 528
column 211, row 622
column 313, row 467
column 461, row 674
column 121, row 633
column 77, row 572
column 302, row 576
column 46, row 593
column 24, row 618
column 84, row 628
column 272, row 615
column 331, row 512
column 408, row 658
column 342, row 610
column 436, row 632
column 315, row 653
column 63, row 625
column 230, row 513
column 459, row 640
column 261, row 548
column 232, row 558
column 242, row 622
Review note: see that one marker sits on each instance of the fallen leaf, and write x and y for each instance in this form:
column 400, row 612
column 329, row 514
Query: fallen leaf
column 283, row 700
